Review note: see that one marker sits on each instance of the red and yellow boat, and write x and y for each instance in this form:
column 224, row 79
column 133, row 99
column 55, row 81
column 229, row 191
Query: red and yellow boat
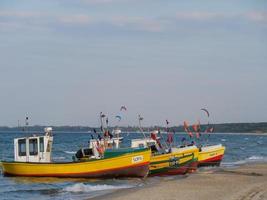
column 169, row 161
column 179, row 161
column 210, row 155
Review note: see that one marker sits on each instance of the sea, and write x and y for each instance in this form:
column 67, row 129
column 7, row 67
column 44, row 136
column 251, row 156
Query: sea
column 240, row 149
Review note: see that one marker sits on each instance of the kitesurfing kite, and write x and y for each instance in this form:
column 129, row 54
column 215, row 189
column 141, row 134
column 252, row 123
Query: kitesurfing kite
column 118, row 117
column 206, row 111
column 102, row 115
column 123, row 108
column 208, row 129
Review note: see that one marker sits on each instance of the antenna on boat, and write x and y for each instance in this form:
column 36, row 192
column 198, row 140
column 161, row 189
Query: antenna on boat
column 26, row 129
column 102, row 116
column 167, row 131
column 140, row 127
column 107, row 123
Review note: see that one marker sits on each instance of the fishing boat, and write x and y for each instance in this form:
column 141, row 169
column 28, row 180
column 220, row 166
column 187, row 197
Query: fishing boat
column 210, row 155
column 32, row 157
column 168, row 161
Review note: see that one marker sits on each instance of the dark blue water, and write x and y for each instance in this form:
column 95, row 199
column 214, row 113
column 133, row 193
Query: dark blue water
column 240, row 149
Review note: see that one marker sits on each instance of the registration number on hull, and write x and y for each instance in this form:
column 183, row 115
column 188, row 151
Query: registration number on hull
column 213, row 154
column 137, row 159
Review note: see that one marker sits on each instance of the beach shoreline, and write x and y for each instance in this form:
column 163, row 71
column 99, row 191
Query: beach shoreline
column 246, row 182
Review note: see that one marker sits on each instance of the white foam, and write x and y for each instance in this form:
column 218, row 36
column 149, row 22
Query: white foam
column 251, row 159
column 69, row 152
column 257, row 158
column 80, row 187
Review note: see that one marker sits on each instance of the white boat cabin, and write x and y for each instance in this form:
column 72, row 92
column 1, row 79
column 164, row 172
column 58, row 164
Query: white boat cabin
column 34, row 148
column 108, row 143
column 146, row 143
column 142, row 143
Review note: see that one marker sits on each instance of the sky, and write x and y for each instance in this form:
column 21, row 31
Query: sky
column 62, row 62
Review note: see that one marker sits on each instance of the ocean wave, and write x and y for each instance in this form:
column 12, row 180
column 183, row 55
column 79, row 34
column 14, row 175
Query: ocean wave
column 69, row 152
column 80, row 187
column 257, row 158
column 259, row 142
column 251, row 159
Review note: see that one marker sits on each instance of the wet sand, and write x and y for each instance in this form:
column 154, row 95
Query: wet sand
column 248, row 182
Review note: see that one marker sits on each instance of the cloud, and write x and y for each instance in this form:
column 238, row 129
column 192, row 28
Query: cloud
column 257, row 16
column 9, row 26
column 18, row 19
column 200, row 16
column 139, row 23
column 18, row 14
column 79, row 19
column 252, row 16
column 104, row 1
column 98, row 1
column 119, row 22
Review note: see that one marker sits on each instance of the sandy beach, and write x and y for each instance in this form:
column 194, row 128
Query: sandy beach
column 248, row 182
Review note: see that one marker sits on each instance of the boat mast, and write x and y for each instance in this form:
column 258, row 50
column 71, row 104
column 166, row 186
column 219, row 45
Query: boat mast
column 26, row 125
column 167, row 131
column 101, row 122
column 140, row 127
column 27, row 131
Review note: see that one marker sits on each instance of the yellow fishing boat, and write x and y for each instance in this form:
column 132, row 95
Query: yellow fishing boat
column 177, row 161
column 172, row 161
column 210, row 155
column 33, row 158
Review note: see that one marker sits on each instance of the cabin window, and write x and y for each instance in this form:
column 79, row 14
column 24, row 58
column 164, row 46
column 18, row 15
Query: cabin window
column 33, row 147
column 41, row 144
column 22, row 147
column 141, row 146
column 149, row 144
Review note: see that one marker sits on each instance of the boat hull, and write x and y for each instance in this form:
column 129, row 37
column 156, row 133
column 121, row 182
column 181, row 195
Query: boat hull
column 128, row 165
column 211, row 155
column 193, row 166
column 178, row 162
